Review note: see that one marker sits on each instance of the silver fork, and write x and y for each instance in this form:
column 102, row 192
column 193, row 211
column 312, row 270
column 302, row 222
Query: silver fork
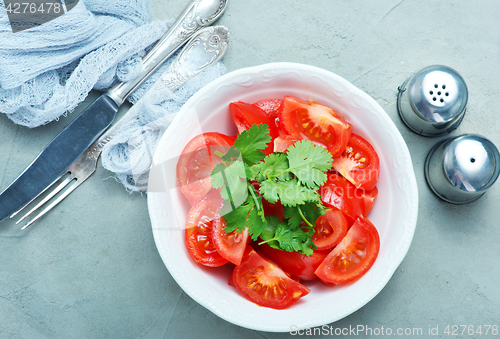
column 202, row 51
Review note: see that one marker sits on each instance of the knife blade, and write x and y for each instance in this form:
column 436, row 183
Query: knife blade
column 55, row 158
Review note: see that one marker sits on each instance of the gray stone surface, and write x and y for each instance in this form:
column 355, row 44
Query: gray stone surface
column 90, row 268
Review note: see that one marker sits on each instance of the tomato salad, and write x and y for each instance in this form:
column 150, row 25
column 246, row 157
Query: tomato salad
column 284, row 201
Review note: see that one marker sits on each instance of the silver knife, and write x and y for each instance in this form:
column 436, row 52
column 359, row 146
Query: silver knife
column 60, row 153
column 205, row 48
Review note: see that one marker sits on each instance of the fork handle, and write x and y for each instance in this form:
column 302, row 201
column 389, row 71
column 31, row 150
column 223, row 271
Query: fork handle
column 197, row 14
column 202, row 51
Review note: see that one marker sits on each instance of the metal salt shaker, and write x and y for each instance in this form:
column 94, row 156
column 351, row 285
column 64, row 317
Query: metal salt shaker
column 459, row 170
column 433, row 101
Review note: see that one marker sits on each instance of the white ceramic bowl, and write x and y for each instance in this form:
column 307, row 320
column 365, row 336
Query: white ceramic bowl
column 394, row 212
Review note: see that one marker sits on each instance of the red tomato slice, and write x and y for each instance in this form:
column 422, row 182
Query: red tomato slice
column 298, row 266
column 359, row 163
column 340, row 193
column 198, row 233
column 245, row 115
column 282, row 142
column 265, row 284
column 355, row 254
column 196, row 163
column 230, row 281
column 271, row 107
column 329, row 229
column 310, row 120
column 326, row 283
column 231, row 245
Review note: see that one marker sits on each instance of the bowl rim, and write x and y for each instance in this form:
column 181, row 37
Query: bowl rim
column 412, row 190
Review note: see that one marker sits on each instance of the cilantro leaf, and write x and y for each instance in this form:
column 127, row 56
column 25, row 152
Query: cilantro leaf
column 274, row 165
column 217, row 177
column 268, row 233
column 312, row 211
column 236, row 183
column 293, row 240
column 308, row 212
column 232, row 153
column 248, row 215
column 232, row 179
column 236, row 218
column 292, row 178
column 289, row 192
column 252, row 142
column 309, row 163
column 251, row 171
column 293, row 216
column 256, row 223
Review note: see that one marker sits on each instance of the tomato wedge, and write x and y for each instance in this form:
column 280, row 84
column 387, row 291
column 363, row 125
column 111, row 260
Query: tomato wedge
column 245, row 115
column 298, row 266
column 265, row 284
column 340, row 193
column 329, row 229
column 198, row 232
column 270, row 107
column 196, row 163
column 359, row 163
column 230, row 245
column 282, row 142
column 355, row 254
column 310, row 120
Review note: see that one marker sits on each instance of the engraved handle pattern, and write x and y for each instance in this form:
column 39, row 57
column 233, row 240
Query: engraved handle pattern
column 196, row 18
column 198, row 14
column 206, row 48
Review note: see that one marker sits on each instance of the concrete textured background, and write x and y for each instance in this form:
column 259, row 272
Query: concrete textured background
column 90, row 268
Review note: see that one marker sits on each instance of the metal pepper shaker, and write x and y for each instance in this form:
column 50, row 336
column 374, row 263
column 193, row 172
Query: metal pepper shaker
column 461, row 169
column 433, row 101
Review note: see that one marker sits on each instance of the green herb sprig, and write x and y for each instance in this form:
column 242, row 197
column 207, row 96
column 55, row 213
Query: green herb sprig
column 292, row 178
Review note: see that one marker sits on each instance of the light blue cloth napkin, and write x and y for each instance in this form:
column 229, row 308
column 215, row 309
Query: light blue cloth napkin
column 46, row 71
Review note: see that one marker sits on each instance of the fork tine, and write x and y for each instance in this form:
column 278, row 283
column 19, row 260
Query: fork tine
column 55, row 202
column 42, row 192
column 47, row 198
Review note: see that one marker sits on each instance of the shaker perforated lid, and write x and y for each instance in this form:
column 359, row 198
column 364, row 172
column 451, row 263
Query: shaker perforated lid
column 432, row 102
column 461, row 169
column 472, row 163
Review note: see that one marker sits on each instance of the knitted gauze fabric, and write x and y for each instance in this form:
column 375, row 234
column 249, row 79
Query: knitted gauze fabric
column 46, row 71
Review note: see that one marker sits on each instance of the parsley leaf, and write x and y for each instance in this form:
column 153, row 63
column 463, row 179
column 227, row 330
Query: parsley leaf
column 232, row 179
column 273, row 165
column 308, row 212
column 309, row 163
column 235, row 217
column 252, row 142
column 292, row 214
column 232, row 153
column 289, row 192
column 268, row 233
column 256, row 223
column 217, row 177
column 313, row 211
column 248, row 215
column 292, row 178
column 293, row 240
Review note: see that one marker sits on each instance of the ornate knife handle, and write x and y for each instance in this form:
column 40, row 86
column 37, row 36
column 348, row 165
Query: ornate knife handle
column 205, row 48
column 198, row 14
